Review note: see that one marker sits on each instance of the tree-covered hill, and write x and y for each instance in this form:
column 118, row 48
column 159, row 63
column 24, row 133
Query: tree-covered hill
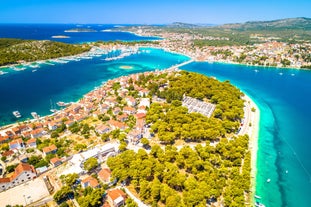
column 280, row 24
column 13, row 51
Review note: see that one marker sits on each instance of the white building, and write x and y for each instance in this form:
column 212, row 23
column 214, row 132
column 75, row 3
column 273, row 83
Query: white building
column 23, row 173
column 75, row 165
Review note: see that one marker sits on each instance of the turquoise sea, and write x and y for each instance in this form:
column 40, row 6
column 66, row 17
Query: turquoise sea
column 38, row 90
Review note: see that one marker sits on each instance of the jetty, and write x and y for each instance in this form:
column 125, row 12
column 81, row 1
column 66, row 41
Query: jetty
column 181, row 64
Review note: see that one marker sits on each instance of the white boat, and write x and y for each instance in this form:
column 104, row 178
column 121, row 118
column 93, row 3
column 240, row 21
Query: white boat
column 18, row 68
column 60, row 103
column 33, row 71
column 17, row 114
column 35, row 115
column 259, row 204
column 53, row 110
column 268, row 180
column 34, row 66
column 257, row 196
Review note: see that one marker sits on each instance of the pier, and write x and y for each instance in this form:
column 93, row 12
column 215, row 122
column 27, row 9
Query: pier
column 181, row 64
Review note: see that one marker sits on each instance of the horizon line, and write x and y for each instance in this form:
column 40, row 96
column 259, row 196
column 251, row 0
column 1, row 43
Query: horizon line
column 153, row 23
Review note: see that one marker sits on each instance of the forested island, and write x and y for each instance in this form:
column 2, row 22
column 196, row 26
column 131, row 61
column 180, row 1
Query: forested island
column 13, row 51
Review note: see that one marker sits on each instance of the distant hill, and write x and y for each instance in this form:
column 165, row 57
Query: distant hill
column 281, row 24
column 182, row 25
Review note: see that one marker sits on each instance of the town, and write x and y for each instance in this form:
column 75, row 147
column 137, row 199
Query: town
column 38, row 156
column 269, row 51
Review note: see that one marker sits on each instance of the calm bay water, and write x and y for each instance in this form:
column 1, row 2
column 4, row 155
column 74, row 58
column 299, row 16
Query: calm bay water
column 40, row 90
column 283, row 96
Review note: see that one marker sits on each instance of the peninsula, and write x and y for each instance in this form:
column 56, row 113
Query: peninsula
column 178, row 138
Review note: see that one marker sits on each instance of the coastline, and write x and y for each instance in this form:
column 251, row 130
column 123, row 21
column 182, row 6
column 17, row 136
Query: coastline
column 213, row 61
column 253, row 133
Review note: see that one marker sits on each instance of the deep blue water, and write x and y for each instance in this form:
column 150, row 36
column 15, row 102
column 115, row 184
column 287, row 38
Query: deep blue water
column 284, row 99
column 46, row 31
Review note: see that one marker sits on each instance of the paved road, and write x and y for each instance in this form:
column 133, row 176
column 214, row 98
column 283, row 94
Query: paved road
column 247, row 118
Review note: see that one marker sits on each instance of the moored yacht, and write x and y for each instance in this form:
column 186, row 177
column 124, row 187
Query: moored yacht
column 17, row 114
column 35, row 115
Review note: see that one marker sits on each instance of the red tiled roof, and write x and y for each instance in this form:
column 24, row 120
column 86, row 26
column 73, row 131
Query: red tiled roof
column 116, row 193
column 7, row 153
column 104, row 174
column 92, row 181
column 33, row 140
column 17, row 141
column 22, row 167
column 55, row 160
column 49, row 148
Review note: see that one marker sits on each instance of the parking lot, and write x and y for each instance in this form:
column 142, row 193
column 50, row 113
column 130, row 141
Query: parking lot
column 24, row 194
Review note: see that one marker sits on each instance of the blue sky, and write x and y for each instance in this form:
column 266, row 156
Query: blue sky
column 150, row 12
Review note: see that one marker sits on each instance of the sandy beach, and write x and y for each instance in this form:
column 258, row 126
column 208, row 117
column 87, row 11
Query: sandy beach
column 251, row 127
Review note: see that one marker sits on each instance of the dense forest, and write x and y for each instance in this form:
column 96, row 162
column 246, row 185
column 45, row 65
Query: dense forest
column 215, row 170
column 188, row 177
column 172, row 121
column 13, row 51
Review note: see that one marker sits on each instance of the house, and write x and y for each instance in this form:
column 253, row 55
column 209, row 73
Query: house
column 129, row 110
column 142, row 109
column 89, row 182
column 37, row 133
column 16, row 130
column 4, row 139
column 104, row 108
column 122, row 117
column 102, row 129
column 9, row 134
column 134, row 136
column 131, row 101
column 32, row 143
column 49, row 150
column 22, row 173
column 117, row 125
column 143, row 92
column 104, row 175
column 140, row 115
column 23, row 158
column 52, row 126
column 8, row 154
column 116, row 111
column 55, row 161
column 144, row 102
column 16, row 144
column 116, row 197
